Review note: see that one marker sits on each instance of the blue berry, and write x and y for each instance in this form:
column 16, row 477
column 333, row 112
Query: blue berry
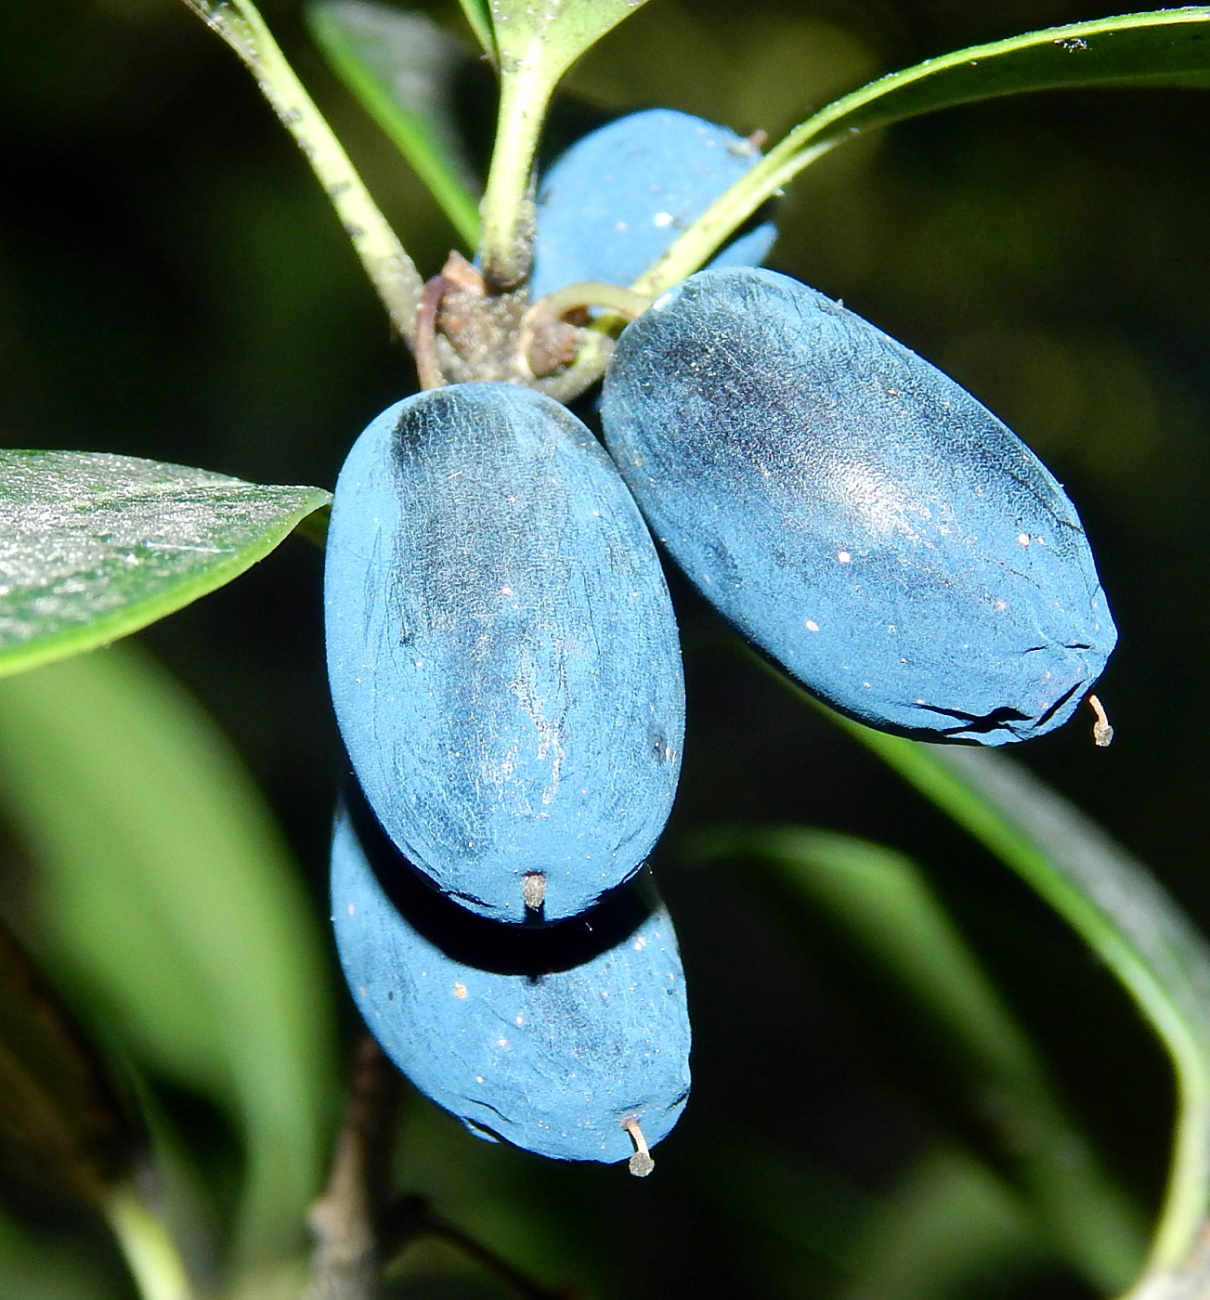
column 855, row 513
column 613, row 202
column 502, row 651
column 569, row 1040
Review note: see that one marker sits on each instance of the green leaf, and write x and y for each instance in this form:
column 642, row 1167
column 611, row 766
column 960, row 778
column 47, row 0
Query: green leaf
column 151, row 1254
column 1161, row 47
column 949, row 1229
column 536, row 42
column 1124, row 916
column 400, row 66
column 478, row 14
column 95, row 546
column 870, row 912
column 171, row 908
column 545, row 37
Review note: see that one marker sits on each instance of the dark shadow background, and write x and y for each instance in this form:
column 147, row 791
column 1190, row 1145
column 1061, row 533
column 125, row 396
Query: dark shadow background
column 172, row 285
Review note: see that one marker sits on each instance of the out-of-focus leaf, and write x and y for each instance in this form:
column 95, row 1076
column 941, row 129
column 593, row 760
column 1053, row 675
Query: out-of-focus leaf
column 154, row 1261
column 928, row 990
column 787, row 1197
column 171, row 906
column 31, row 1271
column 94, row 546
column 1124, row 916
column 478, row 14
column 400, row 66
column 1160, row 47
column 949, row 1227
column 536, row 42
column 61, row 1121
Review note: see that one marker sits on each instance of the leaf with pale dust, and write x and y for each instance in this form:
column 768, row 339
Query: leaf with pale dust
column 94, row 546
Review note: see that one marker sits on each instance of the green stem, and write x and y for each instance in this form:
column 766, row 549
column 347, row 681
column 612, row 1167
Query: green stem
column 876, row 104
column 150, row 1252
column 593, row 293
column 441, row 176
column 716, row 225
column 507, row 209
column 588, row 367
column 391, row 270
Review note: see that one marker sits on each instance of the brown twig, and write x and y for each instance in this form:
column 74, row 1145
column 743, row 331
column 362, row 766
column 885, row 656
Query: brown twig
column 357, row 1228
column 347, row 1220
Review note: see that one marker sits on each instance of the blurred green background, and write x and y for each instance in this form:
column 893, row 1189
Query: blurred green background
column 173, row 285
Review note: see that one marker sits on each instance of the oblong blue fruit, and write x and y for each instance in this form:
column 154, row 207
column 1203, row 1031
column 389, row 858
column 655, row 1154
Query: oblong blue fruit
column 616, row 199
column 549, row 1037
column 502, row 651
column 856, row 513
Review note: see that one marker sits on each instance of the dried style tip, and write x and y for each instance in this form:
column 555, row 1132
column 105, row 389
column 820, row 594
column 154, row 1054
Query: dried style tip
column 641, row 1163
column 533, row 890
column 1102, row 729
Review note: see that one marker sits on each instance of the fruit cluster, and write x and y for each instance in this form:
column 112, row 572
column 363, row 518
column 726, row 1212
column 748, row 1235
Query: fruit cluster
column 504, row 660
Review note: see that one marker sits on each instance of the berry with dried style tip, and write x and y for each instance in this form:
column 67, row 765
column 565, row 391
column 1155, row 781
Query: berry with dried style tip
column 560, row 1039
column 856, row 513
column 502, row 651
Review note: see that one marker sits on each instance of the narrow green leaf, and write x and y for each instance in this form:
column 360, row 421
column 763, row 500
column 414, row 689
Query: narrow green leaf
column 400, row 66
column 536, row 42
column 1161, row 47
column 1124, row 916
column 927, row 990
column 171, row 906
column 949, row 1229
column 478, row 14
column 94, row 546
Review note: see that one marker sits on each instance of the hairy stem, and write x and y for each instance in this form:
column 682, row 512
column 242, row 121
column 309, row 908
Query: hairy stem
column 383, row 257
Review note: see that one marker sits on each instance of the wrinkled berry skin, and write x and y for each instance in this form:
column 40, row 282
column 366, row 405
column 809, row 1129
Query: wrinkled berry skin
column 855, row 513
column 502, row 651
column 613, row 202
column 547, row 1037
